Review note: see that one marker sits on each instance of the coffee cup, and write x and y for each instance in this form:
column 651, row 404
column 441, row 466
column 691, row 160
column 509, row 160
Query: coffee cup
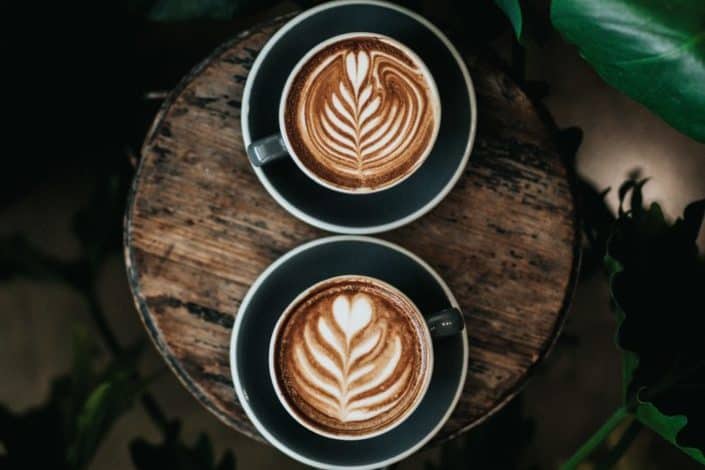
column 351, row 357
column 359, row 113
column 271, row 294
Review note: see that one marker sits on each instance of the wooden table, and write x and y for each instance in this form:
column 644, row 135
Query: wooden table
column 200, row 228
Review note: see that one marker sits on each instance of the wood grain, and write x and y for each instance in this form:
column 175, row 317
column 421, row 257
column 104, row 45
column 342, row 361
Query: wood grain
column 200, row 228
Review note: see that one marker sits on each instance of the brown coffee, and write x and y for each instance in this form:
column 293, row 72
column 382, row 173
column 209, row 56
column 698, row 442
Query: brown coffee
column 361, row 114
column 352, row 357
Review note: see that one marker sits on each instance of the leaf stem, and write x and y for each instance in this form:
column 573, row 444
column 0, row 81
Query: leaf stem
column 149, row 403
column 156, row 414
column 33, row 264
column 596, row 439
column 622, row 445
column 101, row 322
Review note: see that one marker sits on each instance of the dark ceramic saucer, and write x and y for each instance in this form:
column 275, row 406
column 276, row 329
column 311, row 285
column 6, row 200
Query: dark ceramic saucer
column 278, row 286
column 401, row 204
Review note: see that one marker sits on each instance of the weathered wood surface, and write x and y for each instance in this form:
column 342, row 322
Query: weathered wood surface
column 200, row 228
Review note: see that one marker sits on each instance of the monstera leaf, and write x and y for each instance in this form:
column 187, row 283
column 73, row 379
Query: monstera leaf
column 653, row 51
column 657, row 281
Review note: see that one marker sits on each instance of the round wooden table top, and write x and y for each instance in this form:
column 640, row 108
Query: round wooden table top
column 200, row 228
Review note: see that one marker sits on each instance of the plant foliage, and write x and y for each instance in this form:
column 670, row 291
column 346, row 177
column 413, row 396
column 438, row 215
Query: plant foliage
column 81, row 408
column 174, row 454
column 657, row 279
column 653, row 51
column 512, row 9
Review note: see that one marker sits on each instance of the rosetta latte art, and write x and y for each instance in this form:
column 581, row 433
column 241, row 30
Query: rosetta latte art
column 355, row 370
column 364, row 116
column 351, row 365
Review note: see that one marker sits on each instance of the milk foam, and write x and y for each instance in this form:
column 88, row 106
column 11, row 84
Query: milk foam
column 365, row 113
column 352, row 378
column 350, row 359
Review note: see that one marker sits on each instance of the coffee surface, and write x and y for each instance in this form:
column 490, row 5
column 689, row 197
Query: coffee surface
column 361, row 114
column 352, row 357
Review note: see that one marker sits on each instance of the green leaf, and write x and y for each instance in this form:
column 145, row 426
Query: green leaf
column 83, row 374
column 651, row 50
column 656, row 280
column 667, row 426
column 53, row 422
column 512, row 9
column 174, row 454
column 629, row 359
column 104, row 405
column 79, row 411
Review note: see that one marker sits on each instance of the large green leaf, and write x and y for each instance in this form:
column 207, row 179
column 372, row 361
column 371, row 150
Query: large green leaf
column 652, row 50
column 656, row 281
column 512, row 9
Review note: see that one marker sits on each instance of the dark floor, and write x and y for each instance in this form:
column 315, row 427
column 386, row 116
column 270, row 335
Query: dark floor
column 572, row 392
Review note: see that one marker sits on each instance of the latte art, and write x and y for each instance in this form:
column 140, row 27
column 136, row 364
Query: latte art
column 349, row 359
column 345, row 397
column 362, row 114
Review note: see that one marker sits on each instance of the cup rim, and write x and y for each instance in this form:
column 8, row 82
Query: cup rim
column 281, row 395
column 438, row 111
column 337, row 227
column 242, row 395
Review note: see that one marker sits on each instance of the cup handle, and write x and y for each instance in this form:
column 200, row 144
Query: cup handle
column 447, row 322
column 266, row 150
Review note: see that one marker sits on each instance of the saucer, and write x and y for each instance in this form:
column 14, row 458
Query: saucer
column 357, row 213
column 277, row 286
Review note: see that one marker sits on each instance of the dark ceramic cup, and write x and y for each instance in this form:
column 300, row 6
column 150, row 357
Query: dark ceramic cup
column 375, row 212
column 278, row 286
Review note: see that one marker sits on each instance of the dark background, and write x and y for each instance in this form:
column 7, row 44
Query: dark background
column 80, row 81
